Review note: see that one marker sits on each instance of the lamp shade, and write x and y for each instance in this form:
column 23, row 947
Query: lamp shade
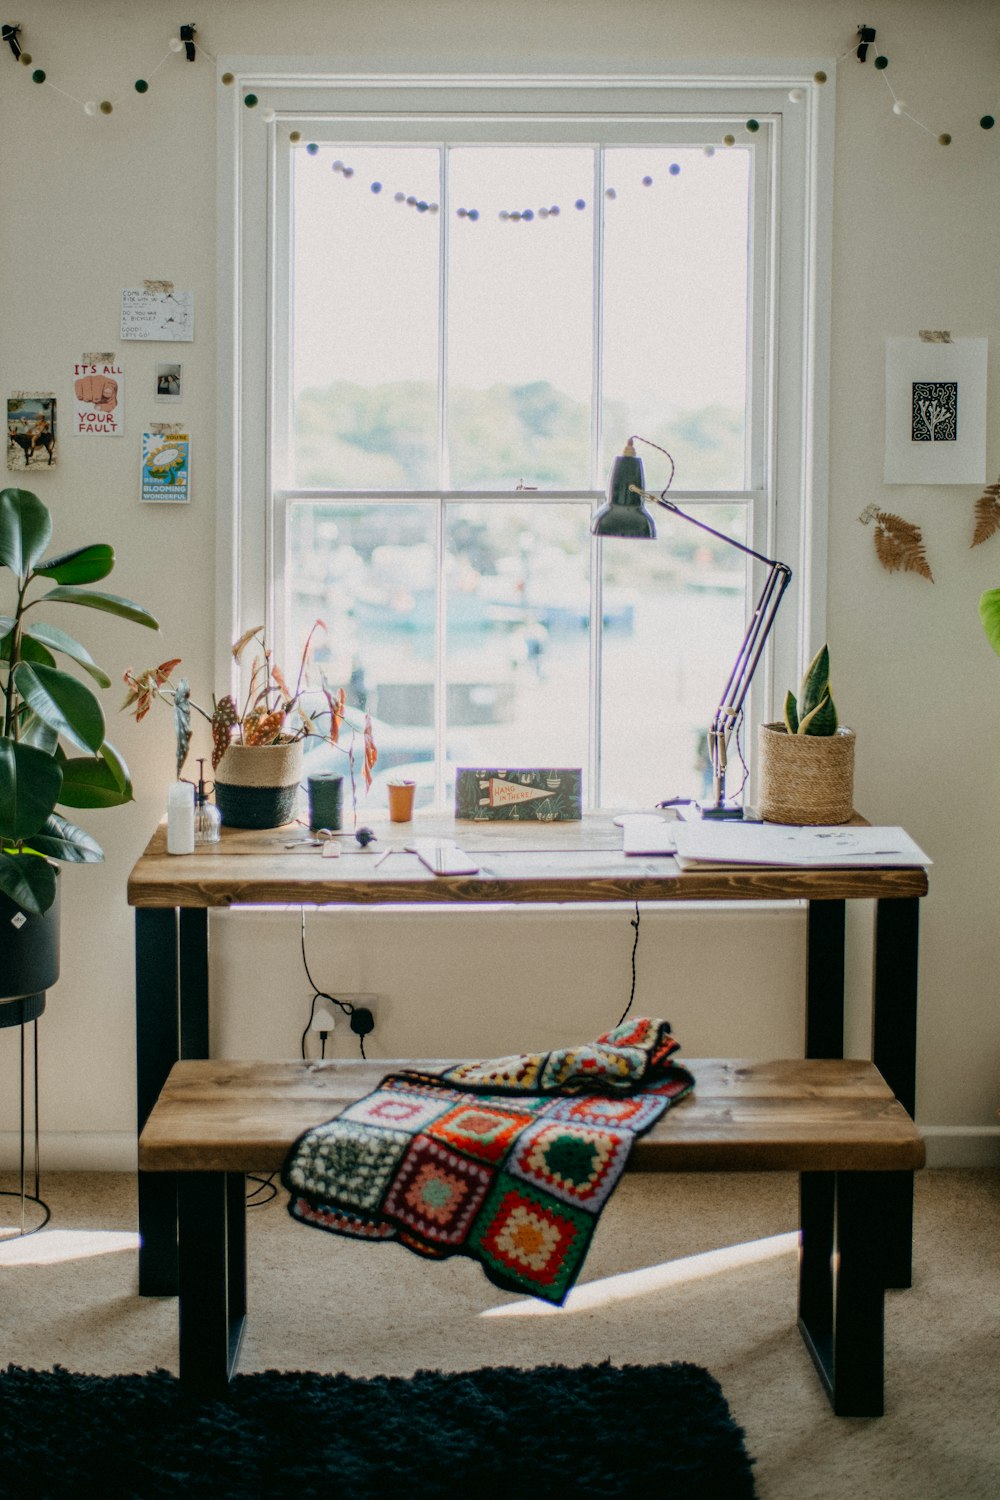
column 623, row 513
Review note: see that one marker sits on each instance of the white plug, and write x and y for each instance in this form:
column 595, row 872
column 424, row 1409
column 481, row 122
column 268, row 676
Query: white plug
column 323, row 1017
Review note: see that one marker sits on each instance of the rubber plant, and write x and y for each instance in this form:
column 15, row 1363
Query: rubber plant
column 53, row 752
column 989, row 614
column 813, row 712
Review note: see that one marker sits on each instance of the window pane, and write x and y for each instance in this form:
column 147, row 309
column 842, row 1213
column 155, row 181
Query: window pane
column 369, row 572
column 667, row 660
column 517, row 634
column 365, row 317
column 675, row 307
column 520, row 316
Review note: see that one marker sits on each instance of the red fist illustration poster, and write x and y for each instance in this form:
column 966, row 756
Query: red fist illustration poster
column 99, row 397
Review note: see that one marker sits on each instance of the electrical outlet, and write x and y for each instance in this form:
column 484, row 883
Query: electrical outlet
column 369, row 1001
column 324, row 1017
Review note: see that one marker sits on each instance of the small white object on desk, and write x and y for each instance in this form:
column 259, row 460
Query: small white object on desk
column 647, row 833
column 180, row 818
column 442, row 857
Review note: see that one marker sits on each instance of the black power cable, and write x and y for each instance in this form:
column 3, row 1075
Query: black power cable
column 633, row 923
column 361, row 1019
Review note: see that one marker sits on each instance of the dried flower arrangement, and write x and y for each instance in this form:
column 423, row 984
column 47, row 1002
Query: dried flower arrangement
column 272, row 713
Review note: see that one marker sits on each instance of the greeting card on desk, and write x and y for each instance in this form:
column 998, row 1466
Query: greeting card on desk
column 733, row 843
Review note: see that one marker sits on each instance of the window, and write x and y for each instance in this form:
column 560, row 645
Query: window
column 454, row 303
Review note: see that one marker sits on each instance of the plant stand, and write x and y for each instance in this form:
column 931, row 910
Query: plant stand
column 23, row 1011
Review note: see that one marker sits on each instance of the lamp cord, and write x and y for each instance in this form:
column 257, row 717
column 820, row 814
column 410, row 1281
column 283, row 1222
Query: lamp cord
column 634, row 924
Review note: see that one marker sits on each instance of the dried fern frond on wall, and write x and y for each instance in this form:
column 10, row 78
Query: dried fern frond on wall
column 899, row 544
column 987, row 514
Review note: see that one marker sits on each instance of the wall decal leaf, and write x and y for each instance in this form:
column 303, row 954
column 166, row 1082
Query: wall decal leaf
column 987, row 514
column 899, row 544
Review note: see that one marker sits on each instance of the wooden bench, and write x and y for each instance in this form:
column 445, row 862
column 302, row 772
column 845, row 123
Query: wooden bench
column 834, row 1122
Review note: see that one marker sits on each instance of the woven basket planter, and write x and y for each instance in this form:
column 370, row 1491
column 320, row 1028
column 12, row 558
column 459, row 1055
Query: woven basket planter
column 256, row 786
column 805, row 778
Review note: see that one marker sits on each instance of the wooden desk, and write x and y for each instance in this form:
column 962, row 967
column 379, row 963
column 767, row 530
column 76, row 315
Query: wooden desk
column 528, row 862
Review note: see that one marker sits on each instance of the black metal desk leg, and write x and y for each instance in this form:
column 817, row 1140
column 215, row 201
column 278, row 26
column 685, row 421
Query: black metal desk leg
column 894, row 1009
column 157, row 1046
column 212, row 1259
column 825, row 979
column 193, row 982
column 894, row 1053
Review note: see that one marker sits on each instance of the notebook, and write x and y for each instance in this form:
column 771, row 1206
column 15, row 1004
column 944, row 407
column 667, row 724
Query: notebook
column 709, row 844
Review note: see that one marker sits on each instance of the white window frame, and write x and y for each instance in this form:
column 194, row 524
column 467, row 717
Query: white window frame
column 790, row 260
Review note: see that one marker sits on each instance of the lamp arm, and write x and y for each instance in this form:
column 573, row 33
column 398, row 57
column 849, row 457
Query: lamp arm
column 703, row 526
column 748, row 657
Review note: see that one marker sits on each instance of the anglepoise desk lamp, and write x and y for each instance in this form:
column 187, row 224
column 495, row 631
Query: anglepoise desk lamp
column 624, row 514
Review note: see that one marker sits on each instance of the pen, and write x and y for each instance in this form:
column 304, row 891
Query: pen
column 384, row 855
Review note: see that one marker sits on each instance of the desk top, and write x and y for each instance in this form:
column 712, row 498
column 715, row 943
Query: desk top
column 519, row 862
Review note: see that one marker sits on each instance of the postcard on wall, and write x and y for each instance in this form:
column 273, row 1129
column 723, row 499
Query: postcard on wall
column 935, row 411
column 166, row 468
column 167, row 385
column 31, row 430
column 99, row 397
column 537, row 796
column 164, row 316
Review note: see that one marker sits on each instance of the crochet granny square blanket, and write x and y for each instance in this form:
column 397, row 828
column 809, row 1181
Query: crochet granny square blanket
column 507, row 1161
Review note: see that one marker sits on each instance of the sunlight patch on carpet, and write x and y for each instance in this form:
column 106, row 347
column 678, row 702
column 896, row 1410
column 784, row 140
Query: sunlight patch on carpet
column 52, row 1246
column 652, row 1278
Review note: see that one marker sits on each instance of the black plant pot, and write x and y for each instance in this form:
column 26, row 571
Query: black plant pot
column 29, row 949
column 29, row 960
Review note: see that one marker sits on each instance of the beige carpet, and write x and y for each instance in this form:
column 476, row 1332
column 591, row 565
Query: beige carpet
column 67, row 1296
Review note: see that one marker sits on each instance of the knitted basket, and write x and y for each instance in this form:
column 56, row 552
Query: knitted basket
column 256, row 786
column 805, row 778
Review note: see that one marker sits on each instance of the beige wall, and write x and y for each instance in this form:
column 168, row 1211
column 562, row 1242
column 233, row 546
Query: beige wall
column 88, row 206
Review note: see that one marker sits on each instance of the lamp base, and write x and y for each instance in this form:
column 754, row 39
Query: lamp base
column 687, row 809
column 711, row 810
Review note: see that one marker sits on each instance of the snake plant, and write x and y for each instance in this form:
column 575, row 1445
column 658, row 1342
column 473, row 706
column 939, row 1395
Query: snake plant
column 813, row 712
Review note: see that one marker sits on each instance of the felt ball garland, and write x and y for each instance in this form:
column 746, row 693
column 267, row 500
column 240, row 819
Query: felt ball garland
column 505, row 215
column 182, row 43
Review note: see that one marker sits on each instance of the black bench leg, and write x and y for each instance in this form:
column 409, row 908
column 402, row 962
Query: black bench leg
column 841, row 1288
column 212, row 1273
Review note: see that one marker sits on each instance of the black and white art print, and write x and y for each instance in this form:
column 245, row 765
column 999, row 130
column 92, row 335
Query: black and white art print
column 935, row 411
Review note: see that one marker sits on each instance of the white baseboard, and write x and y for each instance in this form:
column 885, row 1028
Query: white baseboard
column 962, row 1145
column 71, row 1151
column 114, row 1151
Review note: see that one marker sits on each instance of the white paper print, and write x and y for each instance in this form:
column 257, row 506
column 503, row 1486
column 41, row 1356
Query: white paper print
column 98, row 398
column 166, row 468
column 935, row 411
column 164, row 316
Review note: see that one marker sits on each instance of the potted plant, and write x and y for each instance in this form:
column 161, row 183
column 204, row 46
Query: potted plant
column 53, row 752
column 807, row 762
column 257, row 747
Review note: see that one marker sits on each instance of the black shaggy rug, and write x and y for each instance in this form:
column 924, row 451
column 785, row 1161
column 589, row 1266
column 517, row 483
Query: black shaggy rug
column 659, row 1430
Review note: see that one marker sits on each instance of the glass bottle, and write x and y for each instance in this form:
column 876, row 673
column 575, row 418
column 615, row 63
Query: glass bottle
column 207, row 817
